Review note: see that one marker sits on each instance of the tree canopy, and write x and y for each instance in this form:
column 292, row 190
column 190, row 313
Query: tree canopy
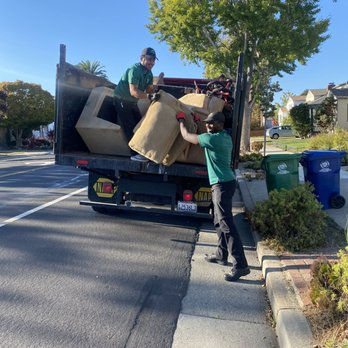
column 300, row 120
column 94, row 68
column 28, row 107
column 326, row 114
column 275, row 36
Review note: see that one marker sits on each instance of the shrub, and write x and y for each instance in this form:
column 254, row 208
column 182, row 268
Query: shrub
column 330, row 141
column 293, row 217
column 256, row 146
column 321, row 142
column 329, row 285
column 251, row 157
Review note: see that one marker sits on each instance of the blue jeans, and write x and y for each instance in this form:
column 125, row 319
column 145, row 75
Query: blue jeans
column 228, row 237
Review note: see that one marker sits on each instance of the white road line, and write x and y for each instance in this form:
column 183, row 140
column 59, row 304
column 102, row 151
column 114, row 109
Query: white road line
column 40, row 163
column 31, row 211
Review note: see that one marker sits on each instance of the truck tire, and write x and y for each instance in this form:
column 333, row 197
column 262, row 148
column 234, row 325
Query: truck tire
column 104, row 211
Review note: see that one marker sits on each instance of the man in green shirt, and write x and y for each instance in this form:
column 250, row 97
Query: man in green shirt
column 217, row 145
column 136, row 83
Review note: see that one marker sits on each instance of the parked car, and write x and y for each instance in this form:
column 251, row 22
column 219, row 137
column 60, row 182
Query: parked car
column 280, row 131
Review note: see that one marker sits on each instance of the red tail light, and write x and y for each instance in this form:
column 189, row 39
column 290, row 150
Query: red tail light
column 187, row 195
column 107, row 187
column 81, row 162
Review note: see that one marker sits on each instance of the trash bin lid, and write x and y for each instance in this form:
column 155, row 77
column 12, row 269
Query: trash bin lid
column 279, row 157
column 282, row 157
column 311, row 155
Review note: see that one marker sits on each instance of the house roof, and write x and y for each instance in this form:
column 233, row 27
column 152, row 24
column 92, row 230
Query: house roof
column 298, row 97
column 317, row 92
column 341, row 92
column 341, row 85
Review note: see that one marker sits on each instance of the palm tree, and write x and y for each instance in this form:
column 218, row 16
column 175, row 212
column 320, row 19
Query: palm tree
column 94, row 68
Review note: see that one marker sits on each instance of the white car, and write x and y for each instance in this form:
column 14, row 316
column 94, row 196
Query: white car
column 280, row 131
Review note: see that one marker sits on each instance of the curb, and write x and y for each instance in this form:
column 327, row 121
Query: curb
column 292, row 327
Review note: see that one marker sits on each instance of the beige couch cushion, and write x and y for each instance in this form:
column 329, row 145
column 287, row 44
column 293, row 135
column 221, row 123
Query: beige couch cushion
column 210, row 104
column 157, row 136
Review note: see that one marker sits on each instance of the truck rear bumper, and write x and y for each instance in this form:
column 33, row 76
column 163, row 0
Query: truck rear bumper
column 136, row 207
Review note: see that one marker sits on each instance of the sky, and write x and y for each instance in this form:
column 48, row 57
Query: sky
column 114, row 32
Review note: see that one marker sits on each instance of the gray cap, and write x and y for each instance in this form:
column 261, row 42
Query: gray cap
column 215, row 116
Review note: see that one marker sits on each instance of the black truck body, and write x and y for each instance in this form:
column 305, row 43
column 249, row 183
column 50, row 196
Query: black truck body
column 116, row 182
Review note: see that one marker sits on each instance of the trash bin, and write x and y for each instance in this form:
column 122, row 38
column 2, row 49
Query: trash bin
column 322, row 169
column 281, row 171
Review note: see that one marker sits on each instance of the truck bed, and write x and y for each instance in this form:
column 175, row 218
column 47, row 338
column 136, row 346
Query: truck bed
column 90, row 161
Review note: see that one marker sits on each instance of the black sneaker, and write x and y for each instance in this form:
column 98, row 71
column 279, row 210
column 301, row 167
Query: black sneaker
column 214, row 259
column 236, row 273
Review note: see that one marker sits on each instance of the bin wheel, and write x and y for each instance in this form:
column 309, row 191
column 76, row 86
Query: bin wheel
column 337, row 201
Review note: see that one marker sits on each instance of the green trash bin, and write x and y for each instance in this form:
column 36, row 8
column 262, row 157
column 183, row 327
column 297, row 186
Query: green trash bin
column 281, row 171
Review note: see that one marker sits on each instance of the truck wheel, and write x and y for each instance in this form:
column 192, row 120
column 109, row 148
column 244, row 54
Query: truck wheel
column 337, row 202
column 104, row 211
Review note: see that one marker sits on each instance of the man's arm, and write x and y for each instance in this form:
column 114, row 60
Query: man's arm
column 190, row 137
column 150, row 89
column 136, row 93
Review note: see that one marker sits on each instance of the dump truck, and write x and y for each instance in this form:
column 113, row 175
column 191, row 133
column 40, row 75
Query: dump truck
column 115, row 182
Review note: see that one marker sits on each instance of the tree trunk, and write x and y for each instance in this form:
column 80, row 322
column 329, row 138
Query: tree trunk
column 19, row 133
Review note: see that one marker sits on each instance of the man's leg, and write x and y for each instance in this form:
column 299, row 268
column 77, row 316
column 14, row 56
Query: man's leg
column 230, row 239
column 128, row 115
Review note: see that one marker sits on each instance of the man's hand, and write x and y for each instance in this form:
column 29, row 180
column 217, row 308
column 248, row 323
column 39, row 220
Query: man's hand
column 154, row 96
column 180, row 116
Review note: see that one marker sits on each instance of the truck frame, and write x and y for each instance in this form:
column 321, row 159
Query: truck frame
column 116, row 182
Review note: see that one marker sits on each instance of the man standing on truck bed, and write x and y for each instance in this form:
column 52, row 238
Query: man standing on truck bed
column 136, row 83
column 217, row 145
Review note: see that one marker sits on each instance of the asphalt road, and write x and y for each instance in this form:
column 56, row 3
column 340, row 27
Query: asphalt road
column 70, row 277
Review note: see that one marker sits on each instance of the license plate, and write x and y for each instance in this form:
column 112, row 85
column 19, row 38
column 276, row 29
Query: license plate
column 189, row 207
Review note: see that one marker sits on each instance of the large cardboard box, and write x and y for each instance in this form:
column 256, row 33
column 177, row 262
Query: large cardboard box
column 101, row 136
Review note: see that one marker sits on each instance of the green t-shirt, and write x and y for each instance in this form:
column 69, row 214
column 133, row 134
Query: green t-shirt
column 137, row 75
column 218, row 149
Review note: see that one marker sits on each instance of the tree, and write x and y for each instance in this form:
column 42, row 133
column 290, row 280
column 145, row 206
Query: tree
column 275, row 36
column 300, row 119
column 326, row 114
column 265, row 97
column 3, row 104
column 28, row 107
column 94, row 68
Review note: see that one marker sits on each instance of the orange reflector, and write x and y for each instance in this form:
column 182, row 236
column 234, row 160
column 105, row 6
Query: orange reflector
column 82, row 162
column 187, row 195
column 107, row 187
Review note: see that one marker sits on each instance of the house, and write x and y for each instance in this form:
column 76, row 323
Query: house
column 294, row 101
column 341, row 95
column 315, row 97
column 314, row 94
